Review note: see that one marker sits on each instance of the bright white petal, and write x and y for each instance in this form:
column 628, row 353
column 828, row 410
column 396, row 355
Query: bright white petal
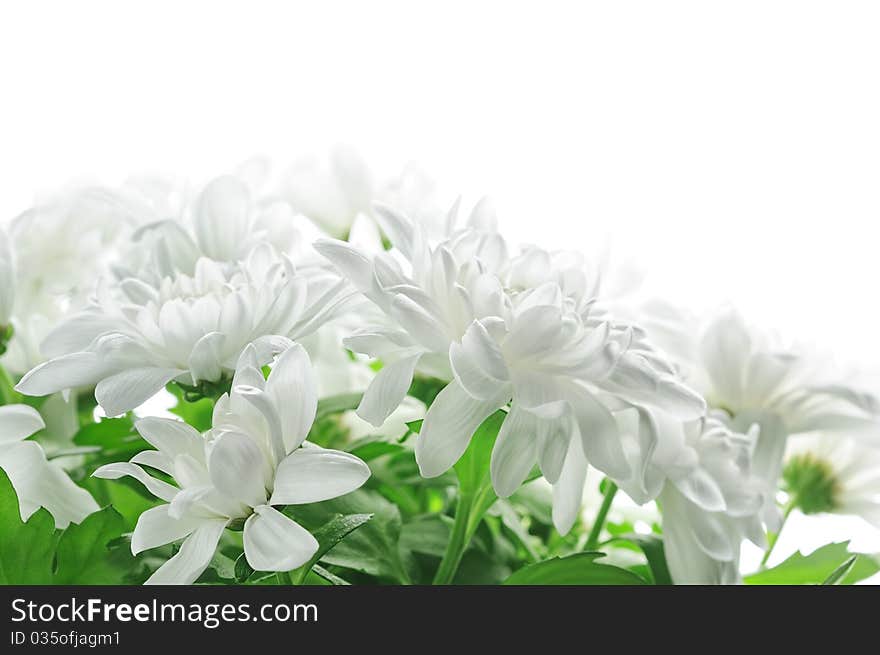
column 18, row 422
column 221, row 220
column 238, row 468
column 310, row 475
column 156, row 528
column 478, row 363
column 514, row 452
column 158, row 488
column 40, row 483
column 568, row 492
column 387, row 390
column 293, row 388
column 205, row 362
column 171, row 437
column 124, row 391
column 701, row 489
column 193, row 557
column 273, row 542
column 448, row 427
column 67, row 372
column 599, row 434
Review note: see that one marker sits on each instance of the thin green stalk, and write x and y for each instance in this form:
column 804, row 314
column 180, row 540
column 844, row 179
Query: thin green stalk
column 773, row 538
column 458, row 542
column 282, row 578
column 599, row 523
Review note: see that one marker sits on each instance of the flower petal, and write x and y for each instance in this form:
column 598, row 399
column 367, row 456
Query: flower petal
column 448, row 427
column 40, row 483
column 156, row 528
column 193, row 557
column 221, row 218
column 514, row 452
column 70, row 371
column 568, row 491
column 206, row 359
column 293, row 388
column 387, row 390
column 599, row 434
column 310, row 475
column 18, row 422
column 239, row 468
column 126, row 390
column 158, row 488
column 171, row 436
column 273, row 542
column 478, row 363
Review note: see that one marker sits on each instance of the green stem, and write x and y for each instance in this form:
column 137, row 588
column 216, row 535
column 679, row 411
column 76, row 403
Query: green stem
column 773, row 538
column 281, row 578
column 458, row 541
column 599, row 523
column 8, row 394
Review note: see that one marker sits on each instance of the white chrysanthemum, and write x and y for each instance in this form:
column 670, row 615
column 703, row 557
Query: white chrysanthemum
column 450, row 314
column 138, row 336
column 754, row 378
column 834, row 474
column 337, row 192
column 705, row 523
column 62, row 247
column 253, row 459
column 223, row 222
column 38, row 482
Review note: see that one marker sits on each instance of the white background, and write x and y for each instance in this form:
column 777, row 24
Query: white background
column 732, row 148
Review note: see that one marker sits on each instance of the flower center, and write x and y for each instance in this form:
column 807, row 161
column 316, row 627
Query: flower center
column 812, row 484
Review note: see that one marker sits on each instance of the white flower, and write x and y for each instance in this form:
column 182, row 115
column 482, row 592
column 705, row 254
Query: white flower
column 38, row 482
column 62, row 247
column 225, row 221
column 756, row 379
column 449, row 312
column 428, row 301
column 137, row 336
column 834, row 474
column 252, row 460
column 710, row 505
column 337, row 192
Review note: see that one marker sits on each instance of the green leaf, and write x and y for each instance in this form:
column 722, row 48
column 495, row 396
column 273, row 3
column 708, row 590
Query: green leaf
column 26, row 549
column 473, row 467
column 579, row 569
column 840, row 572
column 332, row 578
column 652, row 546
column 242, row 569
column 371, row 447
column 373, row 549
column 428, row 535
column 83, row 556
column 337, row 404
column 116, row 438
column 328, row 535
column 107, row 433
column 817, row 567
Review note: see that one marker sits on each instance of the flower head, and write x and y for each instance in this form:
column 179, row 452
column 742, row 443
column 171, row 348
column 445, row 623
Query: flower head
column 833, row 474
column 710, row 504
column 252, row 460
column 463, row 310
column 138, row 335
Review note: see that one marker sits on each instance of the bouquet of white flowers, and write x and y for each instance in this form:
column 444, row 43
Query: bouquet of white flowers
column 324, row 378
